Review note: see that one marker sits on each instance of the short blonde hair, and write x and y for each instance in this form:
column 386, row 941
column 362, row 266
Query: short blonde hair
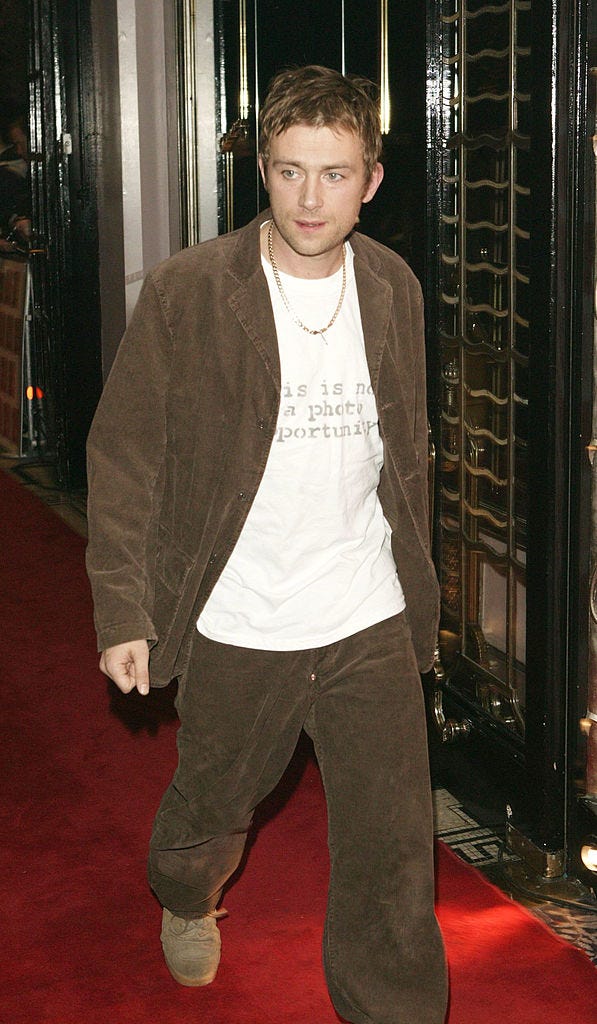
column 322, row 97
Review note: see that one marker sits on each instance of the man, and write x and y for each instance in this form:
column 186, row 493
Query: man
column 15, row 187
column 258, row 521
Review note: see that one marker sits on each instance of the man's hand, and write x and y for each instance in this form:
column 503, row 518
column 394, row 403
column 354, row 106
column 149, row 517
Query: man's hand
column 127, row 665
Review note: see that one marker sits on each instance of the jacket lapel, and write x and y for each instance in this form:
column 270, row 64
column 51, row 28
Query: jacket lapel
column 375, row 304
column 249, row 298
column 382, row 344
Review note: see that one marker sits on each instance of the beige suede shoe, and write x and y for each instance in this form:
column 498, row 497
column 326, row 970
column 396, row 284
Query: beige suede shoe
column 191, row 948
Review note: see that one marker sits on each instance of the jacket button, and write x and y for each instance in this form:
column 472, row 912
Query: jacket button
column 213, row 558
column 243, row 496
column 261, row 424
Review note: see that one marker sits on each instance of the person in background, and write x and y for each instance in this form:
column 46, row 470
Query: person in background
column 15, row 190
column 258, row 529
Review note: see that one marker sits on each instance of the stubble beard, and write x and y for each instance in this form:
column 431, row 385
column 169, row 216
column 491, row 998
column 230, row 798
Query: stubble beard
column 319, row 245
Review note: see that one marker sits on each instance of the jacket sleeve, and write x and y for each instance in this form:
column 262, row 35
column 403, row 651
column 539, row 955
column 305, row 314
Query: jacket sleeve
column 125, row 451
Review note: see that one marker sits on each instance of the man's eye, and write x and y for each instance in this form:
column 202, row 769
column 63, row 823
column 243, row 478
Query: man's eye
column 288, row 173
column 334, row 176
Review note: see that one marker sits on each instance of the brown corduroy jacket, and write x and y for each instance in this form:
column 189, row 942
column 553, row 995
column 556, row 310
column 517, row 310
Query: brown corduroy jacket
column 182, row 433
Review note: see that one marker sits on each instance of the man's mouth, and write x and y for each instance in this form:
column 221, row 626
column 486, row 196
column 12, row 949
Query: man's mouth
column 310, row 224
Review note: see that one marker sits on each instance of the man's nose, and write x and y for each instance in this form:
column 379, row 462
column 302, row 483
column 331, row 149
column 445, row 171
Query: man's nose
column 310, row 198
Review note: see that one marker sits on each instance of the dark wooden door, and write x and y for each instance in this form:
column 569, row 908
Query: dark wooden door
column 510, row 309
column 66, row 328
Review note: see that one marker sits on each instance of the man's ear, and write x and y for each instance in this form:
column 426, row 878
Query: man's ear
column 263, row 172
column 373, row 184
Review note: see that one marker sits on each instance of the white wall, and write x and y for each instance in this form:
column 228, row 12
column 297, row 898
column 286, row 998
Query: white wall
column 207, row 155
column 142, row 87
column 129, row 135
column 147, row 86
column 138, row 178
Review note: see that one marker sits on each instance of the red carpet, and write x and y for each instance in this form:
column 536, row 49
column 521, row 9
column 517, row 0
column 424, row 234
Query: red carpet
column 83, row 771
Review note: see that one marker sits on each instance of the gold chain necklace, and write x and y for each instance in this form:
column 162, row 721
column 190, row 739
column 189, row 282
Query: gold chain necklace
column 296, row 319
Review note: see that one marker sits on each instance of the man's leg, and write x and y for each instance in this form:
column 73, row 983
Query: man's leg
column 241, row 712
column 383, row 951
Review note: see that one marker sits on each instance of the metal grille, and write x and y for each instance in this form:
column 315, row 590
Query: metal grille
column 484, row 340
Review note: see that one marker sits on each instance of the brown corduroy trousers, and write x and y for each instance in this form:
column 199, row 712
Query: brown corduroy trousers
column 360, row 700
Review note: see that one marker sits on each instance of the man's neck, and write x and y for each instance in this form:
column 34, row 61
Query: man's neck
column 306, row 267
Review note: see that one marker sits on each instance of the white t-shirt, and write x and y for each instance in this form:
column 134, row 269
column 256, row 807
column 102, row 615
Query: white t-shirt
column 313, row 563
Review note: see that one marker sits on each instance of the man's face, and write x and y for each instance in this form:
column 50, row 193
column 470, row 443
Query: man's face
column 19, row 141
column 316, row 182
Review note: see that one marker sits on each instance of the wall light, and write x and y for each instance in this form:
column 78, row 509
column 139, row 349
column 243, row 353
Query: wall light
column 588, row 853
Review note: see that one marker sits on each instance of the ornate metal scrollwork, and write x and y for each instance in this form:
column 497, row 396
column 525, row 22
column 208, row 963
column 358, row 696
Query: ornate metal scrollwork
column 448, row 729
column 483, row 340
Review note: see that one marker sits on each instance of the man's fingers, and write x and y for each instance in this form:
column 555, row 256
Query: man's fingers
column 127, row 665
column 140, row 674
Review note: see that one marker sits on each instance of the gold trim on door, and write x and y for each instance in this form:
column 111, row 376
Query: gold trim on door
column 484, row 339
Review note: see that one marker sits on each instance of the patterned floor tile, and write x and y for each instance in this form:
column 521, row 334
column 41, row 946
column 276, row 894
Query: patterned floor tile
column 484, row 849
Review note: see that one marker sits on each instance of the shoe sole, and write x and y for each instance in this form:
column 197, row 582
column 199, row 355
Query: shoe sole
column 205, row 979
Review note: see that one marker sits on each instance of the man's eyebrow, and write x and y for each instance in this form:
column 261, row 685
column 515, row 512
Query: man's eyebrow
column 297, row 163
